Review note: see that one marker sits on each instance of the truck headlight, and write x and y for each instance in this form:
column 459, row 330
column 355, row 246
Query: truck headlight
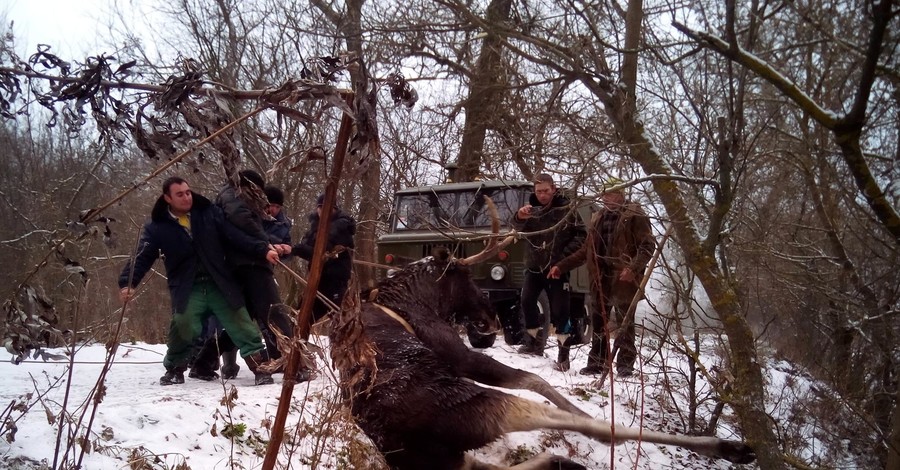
column 498, row 272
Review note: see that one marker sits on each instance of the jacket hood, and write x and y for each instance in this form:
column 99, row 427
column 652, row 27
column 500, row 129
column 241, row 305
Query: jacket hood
column 160, row 210
column 558, row 200
column 347, row 219
column 281, row 218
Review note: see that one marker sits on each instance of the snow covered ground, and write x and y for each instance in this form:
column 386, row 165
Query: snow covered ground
column 140, row 424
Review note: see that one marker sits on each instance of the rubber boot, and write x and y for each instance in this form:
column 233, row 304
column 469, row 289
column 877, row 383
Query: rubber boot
column 533, row 342
column 562, row 359
column 203, row 374
column 253, row 362
column 207, row 358
column 527, row 346
column 230, row 366
column 540, row 341
column 594, row 367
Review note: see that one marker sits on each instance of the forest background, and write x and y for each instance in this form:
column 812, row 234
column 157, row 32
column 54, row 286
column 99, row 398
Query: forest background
column 764, row 134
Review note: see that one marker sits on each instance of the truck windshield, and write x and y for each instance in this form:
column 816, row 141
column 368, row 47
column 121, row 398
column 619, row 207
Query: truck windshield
column 460, row 209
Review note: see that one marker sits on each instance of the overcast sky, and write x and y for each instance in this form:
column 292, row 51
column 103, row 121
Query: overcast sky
column 69, row 27
column 73, row 28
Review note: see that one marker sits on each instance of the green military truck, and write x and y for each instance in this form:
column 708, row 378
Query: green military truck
column 454, row 216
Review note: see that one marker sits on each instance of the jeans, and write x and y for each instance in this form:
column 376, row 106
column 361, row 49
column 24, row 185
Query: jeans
column 557, row 294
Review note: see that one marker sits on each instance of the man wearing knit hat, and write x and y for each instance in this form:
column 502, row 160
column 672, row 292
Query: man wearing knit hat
column 620, row 244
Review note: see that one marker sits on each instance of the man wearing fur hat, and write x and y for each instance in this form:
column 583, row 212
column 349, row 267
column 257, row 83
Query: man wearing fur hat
column 620, row 244
column 337, row 269
column 256, row 280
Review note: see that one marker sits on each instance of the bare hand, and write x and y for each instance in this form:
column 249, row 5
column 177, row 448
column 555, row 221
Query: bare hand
column 626, row 275
column 283, row 250
column 272, row 256
column 126, row 294
column 524, row 212
column 554, row 273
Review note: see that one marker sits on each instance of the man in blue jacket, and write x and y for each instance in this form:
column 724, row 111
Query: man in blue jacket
column 191, row 233
column 279, row 228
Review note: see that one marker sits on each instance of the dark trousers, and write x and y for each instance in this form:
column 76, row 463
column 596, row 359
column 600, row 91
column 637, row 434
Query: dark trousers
column 557, row 294
column 625, row 337
column 332, row 288
column 260, row 293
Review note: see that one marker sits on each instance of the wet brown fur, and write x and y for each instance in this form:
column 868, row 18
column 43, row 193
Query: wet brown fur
column 415, row 394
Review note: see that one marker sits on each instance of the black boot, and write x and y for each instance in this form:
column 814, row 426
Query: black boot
column 230, row 366
column 202, row 374
column 253, row 362
column 596, row 365
column 533, row 345
column 204, row 367
column 592, row 369
column 527, row 346
column 207, row 360
column 173, row 376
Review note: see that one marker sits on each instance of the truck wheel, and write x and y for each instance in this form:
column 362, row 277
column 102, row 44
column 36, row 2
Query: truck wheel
column 543, row 303
column 478, row 340
column 582, row 327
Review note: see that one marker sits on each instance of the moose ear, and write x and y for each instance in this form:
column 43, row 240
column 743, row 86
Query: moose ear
column 440, row 253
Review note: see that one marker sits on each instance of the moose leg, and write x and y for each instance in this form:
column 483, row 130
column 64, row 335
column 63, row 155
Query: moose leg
column 520, row 414
column 489, row 371
column 538, row 462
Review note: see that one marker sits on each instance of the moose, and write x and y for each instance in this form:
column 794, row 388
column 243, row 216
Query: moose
column 410, row 379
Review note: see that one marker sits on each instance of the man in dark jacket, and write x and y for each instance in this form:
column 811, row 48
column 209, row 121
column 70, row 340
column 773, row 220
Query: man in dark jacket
column 620, row 244
column 336, row 271
column 556, row 233
column 191, row 233
column 256, row 280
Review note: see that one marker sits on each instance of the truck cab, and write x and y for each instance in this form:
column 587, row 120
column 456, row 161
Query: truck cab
column 454, row 216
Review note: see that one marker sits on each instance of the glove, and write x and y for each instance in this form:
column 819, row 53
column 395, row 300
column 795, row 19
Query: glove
column 335, row 252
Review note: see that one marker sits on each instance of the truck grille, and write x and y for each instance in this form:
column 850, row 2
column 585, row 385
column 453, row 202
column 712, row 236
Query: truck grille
column 517, row 273
column 457, row 250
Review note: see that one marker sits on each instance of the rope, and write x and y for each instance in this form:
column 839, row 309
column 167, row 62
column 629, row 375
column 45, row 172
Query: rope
column 374, row 265
column 328, row 303
column 66, row 362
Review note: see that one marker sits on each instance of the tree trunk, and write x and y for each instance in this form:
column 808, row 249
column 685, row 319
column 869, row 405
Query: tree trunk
column 371, row 178
column 350, row 26
column 893, row 457
column 485, row 95
column 748, row 397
